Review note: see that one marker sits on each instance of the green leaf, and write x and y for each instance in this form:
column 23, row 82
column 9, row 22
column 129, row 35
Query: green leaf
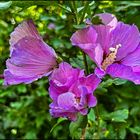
column 31, row 3
column 117, row 116
column 22, row 88
column 30, row 135
column 58, row 122
column 118, row 81
column 91, row 115
column 115, row 81
column 106, row 83
column 80, row 26
column 77, row 62
column 122, row 133
column 135, row 130
column 75, row 126
column 1, row 81
column 5, row 5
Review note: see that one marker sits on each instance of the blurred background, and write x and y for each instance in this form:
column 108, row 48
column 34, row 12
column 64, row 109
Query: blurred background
column 24, row 109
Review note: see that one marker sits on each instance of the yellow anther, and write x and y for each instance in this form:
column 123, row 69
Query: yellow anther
column 111, row 57
column 78, row 100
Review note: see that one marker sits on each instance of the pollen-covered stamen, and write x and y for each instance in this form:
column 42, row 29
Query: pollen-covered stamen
column 111, row 57
column 77, row 100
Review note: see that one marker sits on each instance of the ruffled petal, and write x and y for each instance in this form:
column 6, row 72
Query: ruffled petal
column 91, row 82
column 55, row 90
column 127, row 36
column 59, row 112
column 65, row 75
column 91, row 100
column 87, row 98
column 66, row 100
column 124, row 72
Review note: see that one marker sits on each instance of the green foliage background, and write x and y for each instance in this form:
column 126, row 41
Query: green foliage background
column 24, row 109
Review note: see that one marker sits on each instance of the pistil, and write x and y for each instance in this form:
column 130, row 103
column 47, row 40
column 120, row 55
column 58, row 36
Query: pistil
column 111, row 57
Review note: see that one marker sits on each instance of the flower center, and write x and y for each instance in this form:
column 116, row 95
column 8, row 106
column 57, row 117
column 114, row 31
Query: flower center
column 111, row 57
column 77, row 100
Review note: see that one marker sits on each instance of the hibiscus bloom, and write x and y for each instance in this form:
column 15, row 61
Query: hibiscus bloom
column 71, row 91
column 113, row 46
column 30, row 57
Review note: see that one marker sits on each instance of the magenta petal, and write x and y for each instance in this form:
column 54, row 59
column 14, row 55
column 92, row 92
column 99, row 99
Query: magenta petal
column 132, row 59
column 99, row 72
column 87, row 98
column 104, row 37
column 136, row 69
column 94, row 51
column 66, row 100
column 127, row 36
column 31, row 58
column 84, row 111
column 92, row 101
column 108, row 19
column 10, row 79
column 59, row 112
column 86, row 40
column 26, row 28
column 84, row 36
column 91, row 82
column 124, row 72
column 55, row 90
column 62, row 79
column 65, row 75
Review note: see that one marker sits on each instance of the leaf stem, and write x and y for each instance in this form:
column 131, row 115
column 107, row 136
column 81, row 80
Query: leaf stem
column 74, row 11
column 85, row 63
column 83, row 134
column 84, row 12
column 84, row 55
column 98, row 121
column 64, row 8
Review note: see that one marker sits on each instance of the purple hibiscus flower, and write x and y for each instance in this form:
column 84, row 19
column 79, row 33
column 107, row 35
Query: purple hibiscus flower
column 30, row 57
column 113, row 46
column 71, row 91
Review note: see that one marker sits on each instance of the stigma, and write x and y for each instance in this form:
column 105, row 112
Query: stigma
column 111, row 57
